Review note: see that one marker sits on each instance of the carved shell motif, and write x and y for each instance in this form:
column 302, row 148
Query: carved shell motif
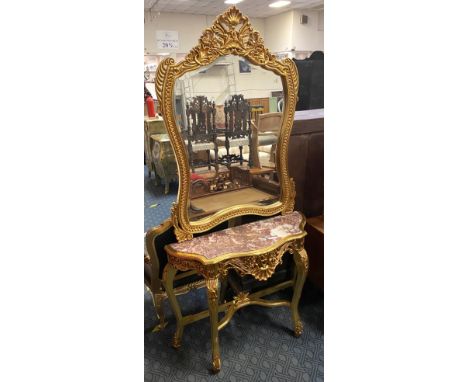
column 231, row 33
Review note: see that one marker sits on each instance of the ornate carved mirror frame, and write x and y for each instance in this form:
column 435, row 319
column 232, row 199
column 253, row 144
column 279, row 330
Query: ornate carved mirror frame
column 231, row 33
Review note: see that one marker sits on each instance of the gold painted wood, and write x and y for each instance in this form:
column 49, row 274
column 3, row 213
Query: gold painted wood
column 261, row 266
column 226, row 306
column 154, row 286
column 259, row 263
column 168, row 280
column 212, row 294
column 212, row 203
column 242, row 301
column 231, row 33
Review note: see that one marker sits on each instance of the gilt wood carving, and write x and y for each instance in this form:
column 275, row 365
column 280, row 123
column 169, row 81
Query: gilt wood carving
column 231, row 33
column 260, row 266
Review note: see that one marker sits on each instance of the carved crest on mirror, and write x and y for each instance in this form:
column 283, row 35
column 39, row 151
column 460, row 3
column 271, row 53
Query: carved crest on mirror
column 197, row 142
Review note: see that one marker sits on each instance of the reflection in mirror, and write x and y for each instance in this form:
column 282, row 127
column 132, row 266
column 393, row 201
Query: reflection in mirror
column 227, row 114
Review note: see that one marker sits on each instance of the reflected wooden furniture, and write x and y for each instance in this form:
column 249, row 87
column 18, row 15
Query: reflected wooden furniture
column 265, row 132
column 163, row 158
column 233, row 179
column 201, row 131
column 256, row 248
column 255, row 111
column 237, row 130
column 153, row 125
column 209, row 204
column 263, row 103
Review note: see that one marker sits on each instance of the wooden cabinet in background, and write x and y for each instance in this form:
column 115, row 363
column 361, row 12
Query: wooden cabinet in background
column 306, row 161
column 314, row 246
column 306, row 167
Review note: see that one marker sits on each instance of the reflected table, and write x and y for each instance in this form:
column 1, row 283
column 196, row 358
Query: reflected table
column 210, row 204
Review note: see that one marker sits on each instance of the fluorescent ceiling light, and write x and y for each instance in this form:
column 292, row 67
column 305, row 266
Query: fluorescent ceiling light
column 279, row 4
column 162, row 54
column 232, row 1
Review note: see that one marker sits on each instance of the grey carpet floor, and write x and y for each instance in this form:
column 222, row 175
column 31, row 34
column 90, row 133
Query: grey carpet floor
column 257, row 345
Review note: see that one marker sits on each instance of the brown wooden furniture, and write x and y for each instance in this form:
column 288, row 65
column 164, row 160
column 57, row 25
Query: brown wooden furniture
column 201, row 132
column 255, row 111
column 265, row 133
column 306, row 166
column 237, row 130
column 212, row 203
column 314, row 246
column 264, row 103
column 306, row 160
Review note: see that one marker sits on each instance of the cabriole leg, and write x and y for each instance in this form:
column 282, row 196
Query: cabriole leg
column 168, row 281
column 212, row 292
column 158, row 300
column 302, row 264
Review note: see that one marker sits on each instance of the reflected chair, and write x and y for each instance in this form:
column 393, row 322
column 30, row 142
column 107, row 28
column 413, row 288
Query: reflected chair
column 200, row 132
column 265, row 133
column 237, row 130
column 281, row 105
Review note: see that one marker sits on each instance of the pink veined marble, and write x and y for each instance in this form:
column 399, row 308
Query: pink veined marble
column 243, row 238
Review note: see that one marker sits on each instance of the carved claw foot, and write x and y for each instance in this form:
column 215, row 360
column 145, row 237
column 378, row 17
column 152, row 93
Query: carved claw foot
column 176, row 342
column 216, row 366
column 298, row 329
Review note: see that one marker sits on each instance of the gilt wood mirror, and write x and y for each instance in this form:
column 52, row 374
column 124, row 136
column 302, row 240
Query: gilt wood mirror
column 230, row 140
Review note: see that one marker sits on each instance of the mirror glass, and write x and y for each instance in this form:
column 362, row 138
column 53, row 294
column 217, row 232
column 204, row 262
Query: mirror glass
column 229, row 114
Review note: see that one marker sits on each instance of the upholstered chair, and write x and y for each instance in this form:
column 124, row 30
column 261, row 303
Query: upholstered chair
column 265, row 136
column 155, row 261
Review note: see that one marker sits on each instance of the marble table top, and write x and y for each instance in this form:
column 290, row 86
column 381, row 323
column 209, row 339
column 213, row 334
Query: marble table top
column 242, row 239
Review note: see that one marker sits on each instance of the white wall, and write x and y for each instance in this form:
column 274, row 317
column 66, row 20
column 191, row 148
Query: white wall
column 190, row 28
column 278, row 32
column 281, row 32
column 307, row 36
column 257, row 84
column 214, row 82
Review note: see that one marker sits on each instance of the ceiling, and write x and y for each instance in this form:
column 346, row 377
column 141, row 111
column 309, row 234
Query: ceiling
column 252, row 8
